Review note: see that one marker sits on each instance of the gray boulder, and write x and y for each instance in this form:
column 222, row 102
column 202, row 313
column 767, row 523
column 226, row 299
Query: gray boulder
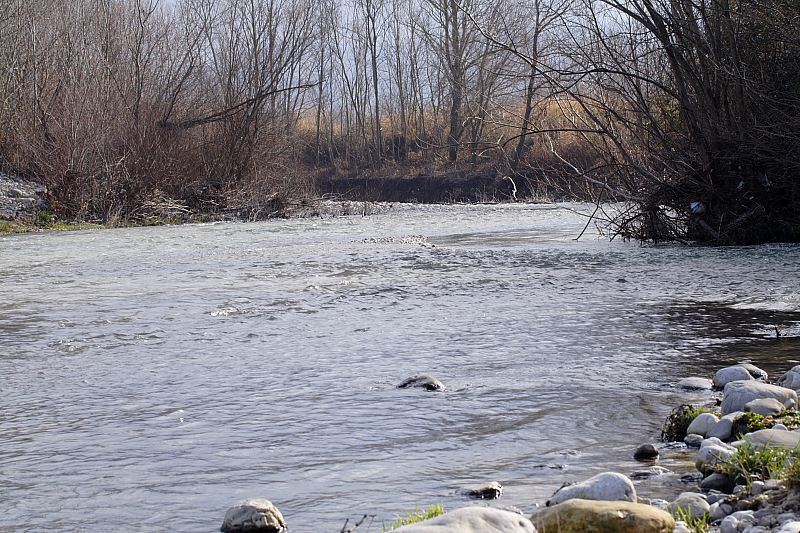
column 754, row 371
column 791, row 379
column 695, row 383
column 608, row 486
column 253, row 516
column 724, row 428
column 702, row 424
column 765, row 407
column 730, row 373
column 712, row 452
column 423, row 381
column 584, row 516
column 717, row 481
column 692, row 503
column 737, row 394
column 473, row 520
column 693, row 440
column 774, row 438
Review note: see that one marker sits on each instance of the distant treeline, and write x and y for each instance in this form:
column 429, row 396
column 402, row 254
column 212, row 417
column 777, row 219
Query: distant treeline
column 687, row 109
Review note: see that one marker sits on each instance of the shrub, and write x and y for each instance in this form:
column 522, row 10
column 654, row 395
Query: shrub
column 678, row 421
column 755, row 463
column 697, row 524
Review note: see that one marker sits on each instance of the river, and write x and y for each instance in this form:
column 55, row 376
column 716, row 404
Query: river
column 151, row 377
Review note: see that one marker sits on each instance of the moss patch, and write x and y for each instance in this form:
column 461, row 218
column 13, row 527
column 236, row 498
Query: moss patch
column 417, row 516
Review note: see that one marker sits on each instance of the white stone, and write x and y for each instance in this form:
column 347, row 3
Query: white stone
column 780, row 427
column 729, row 374
column 473, row 520
column 790, row 527
column 791, row 379
column 723, row 429
column 609, row 486
column 681, row 527
column 712, row 441
column 703, row 423
column 711, row 455
column 765, row 407
column 692, row 503
column 253, row 515
column 753, row 370
column 774, row 438
column 757, row 488
column 738, row 393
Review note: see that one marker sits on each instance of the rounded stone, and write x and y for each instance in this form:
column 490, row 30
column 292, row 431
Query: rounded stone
column 473, row 520
column 717, row 481
column 646, row 452
column 737, row 394
column 253, row 516
column 582, row 516
column 754, row 371
column 608, row 486
column 729, row 374
column 702, row 424
column 765, row 407
column 422, row 381
column 693, row 440
column 692, row 504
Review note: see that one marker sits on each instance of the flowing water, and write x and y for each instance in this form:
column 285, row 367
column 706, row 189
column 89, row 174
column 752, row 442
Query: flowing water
column 150, row 377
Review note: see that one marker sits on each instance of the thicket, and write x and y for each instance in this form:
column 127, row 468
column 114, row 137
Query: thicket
column 687, row 110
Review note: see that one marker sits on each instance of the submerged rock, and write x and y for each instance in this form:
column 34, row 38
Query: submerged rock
column 490, row 491
column 608, row 486
column 653, row 471
column 582, row 516
column 737, row 394
column 695, row 383
column 473, row 520
column 253, row 516
column 423, row 381
column 646, row 452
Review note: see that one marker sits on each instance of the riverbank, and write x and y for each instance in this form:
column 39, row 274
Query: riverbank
column 27, row 206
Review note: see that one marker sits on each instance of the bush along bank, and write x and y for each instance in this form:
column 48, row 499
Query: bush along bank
column 747, row 441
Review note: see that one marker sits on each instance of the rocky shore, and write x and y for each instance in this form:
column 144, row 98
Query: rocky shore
column 746, row 433
column 20, row 199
